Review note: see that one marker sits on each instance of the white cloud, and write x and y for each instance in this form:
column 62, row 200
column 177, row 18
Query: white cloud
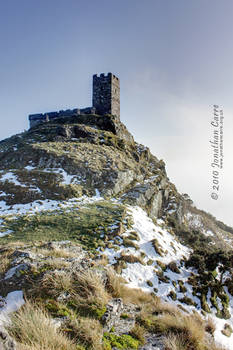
column 178, row 129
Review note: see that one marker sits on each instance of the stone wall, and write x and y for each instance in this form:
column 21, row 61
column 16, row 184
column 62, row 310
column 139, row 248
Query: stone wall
column 105, row 98
column 35, row 119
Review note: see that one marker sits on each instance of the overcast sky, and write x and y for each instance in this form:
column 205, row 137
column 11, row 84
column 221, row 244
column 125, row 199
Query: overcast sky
column 174, row 59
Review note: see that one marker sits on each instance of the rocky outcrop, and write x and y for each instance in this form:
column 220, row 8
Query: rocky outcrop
column 119, row 316
column 73, row 126
column 93, row 152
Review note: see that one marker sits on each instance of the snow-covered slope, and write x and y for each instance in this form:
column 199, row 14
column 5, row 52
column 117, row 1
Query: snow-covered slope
column 145, row 252
column 164, row 274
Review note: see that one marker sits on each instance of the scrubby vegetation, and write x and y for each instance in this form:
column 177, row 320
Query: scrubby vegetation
column 79, row 299
column 206, row 258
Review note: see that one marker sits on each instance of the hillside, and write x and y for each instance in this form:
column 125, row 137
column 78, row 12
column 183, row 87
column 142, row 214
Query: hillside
column 94, row 233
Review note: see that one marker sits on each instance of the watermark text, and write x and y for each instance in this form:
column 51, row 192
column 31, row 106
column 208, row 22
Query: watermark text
column 216, row 143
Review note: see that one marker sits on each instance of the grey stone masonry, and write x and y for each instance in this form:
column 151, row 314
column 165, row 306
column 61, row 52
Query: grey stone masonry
column 106, row 94
column 105, row 99
column 35, row 119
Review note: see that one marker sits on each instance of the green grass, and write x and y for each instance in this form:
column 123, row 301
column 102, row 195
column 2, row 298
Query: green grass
column 123, row 341
column 85, row 225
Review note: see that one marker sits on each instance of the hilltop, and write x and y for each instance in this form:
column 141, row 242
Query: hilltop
column 80, row 198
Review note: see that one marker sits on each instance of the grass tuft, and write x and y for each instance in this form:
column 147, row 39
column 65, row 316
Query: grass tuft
column 32, row 326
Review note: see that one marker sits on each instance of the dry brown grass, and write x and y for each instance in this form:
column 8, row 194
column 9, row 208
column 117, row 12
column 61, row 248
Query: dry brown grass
column 118, row 289
column 227, row 330
column 15, row 245
column 4, row 264
column 57, row 253
column 129, row 258
column 85, row 288
column 188, row 328
column 5, row 259
column 138, row 297
column 115, row 284
column 53, row 284
column 173, row 267
column 101, row 261
column 57, row 263
column 89, row 287
column 34, row 329
column 174, row 342
column 86, row 331
column 167, row 308
column 210, row 326
column 138, row 333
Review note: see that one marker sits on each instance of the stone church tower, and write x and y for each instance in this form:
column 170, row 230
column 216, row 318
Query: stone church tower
column 105, row 99
column 106, row 94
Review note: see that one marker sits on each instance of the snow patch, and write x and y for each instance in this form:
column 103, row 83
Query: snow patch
column 12, row 302
column 11, row 177
column 137, row 274
column 5, row 233
column 44, row 205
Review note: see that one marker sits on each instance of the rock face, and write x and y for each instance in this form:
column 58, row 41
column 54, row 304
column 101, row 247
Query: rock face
column 119, row 316
column 77, row 155
column 111, row 316
column 73, row 126
column 6, row 342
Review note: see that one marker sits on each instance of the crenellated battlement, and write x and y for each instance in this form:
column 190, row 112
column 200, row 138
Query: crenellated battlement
column 105, row 100
column 39, row 118
column 103, row 75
